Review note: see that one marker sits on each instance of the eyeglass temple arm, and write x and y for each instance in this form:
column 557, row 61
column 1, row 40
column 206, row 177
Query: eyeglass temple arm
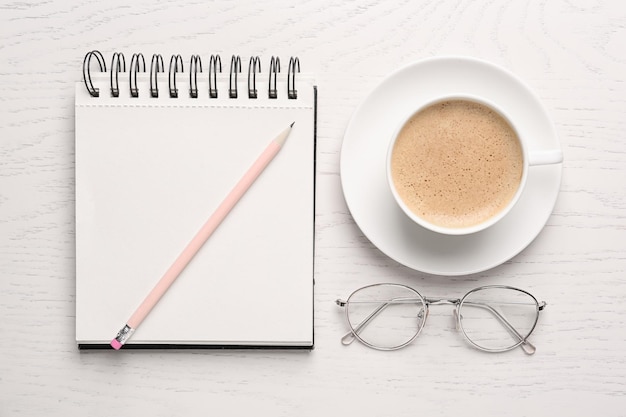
column 349, row 337
column 526, row 346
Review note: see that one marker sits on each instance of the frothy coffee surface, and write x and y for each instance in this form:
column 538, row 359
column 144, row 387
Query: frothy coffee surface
column 457, row 163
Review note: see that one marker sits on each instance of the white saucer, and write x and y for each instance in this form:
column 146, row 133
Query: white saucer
column 363, row 168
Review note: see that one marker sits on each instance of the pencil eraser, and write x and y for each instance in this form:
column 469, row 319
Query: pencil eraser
column 115, row 344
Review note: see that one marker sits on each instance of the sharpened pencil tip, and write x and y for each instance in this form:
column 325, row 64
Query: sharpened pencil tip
column 282, row 137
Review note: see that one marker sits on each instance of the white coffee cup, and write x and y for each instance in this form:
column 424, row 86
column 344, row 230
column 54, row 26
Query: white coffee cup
column 530, row 158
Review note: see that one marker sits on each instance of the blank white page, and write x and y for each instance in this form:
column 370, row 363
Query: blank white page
column 149, row 173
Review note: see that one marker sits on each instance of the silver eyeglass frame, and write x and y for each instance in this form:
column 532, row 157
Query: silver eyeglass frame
column 523, row 342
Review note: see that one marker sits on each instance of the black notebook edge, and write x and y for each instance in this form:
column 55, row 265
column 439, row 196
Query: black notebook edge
column 174, row 346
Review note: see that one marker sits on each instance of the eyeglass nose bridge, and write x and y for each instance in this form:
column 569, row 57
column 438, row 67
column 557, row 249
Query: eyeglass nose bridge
column 442, row 301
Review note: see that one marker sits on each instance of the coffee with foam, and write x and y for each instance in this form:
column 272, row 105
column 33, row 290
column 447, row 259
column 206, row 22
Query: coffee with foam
column 457, row 163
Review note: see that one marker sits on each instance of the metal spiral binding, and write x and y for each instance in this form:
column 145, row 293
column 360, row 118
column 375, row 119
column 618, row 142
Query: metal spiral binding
column 252, row 69
column 172, row 74
column 134, row 69
column 215, row 60
column 274, row 70
column 93, row 91
column 294, row 65
column 235, row 67
column 195, row 65
column 155, row 66
column 138, row 63
column 118, row 63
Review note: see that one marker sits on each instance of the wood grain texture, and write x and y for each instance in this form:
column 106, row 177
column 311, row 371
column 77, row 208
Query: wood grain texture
column 570, row 53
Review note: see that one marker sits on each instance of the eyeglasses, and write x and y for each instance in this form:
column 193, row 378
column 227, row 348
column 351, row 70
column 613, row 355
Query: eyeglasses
column 493, row 318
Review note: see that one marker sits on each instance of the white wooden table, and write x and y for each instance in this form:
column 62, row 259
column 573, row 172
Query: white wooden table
column 571, row 53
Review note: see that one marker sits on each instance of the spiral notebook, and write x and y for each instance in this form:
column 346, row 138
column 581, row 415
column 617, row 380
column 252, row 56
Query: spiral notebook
column 157, row 149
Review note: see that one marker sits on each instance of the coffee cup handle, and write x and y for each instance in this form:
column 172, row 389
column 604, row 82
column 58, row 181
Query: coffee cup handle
column 553, row 156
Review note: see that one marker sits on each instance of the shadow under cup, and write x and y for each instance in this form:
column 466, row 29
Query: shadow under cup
column 457, row 165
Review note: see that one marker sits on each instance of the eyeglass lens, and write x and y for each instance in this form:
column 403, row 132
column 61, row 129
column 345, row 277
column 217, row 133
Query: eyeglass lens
column 386, row 316
column 498, row 318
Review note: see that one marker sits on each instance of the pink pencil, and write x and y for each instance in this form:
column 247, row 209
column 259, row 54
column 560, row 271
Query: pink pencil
column 199, row 239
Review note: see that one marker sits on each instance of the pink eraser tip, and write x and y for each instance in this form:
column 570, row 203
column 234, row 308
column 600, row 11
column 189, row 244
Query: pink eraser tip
column 115, row 344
